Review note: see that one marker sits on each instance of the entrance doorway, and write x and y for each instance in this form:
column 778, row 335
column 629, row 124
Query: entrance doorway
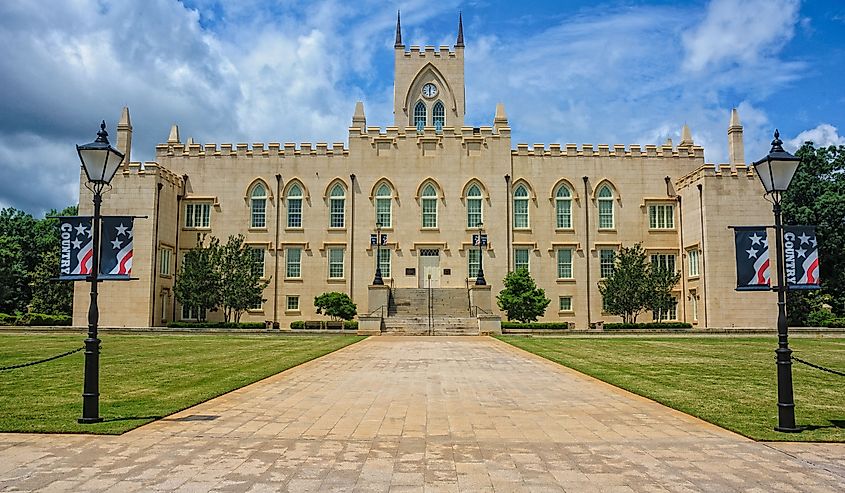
column 429, row 266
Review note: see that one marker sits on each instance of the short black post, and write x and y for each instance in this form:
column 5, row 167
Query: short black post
column 91, row 386
column 786, row 404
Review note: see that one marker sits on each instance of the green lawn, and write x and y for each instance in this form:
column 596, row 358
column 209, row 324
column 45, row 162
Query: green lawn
column 729, row 381
column 142, row 377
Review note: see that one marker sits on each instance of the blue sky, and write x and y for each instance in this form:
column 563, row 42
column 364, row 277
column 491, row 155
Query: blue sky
column 281, row 71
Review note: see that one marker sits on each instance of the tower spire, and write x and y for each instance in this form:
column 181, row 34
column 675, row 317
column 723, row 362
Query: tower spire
column 398, row 42
column 460, row 42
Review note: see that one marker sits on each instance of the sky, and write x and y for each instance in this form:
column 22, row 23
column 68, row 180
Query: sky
column 598, row 72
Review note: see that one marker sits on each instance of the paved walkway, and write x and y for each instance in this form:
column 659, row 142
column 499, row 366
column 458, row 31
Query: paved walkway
column 422, row 414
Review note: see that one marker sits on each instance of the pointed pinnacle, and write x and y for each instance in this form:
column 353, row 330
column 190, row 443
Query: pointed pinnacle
column 460, row 42
column 398, row 42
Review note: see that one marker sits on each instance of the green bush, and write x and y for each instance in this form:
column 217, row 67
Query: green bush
column 216, row 325
column 820, row 318
column 297, row 324
column 836, row 323
column 6, row 319
column 35, row 319
column 536, row 325
column 350, row 325
column 648, row 325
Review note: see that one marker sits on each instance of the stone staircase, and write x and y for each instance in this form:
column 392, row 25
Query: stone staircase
column 407, row 312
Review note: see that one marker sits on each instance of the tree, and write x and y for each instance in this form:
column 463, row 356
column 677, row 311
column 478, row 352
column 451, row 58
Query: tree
column 521, row 299
column 241, row 286
column 48, row 295
column 19, row 252
column 635, row 285
column 198, row 280
column 816, row 196
column 336, row 305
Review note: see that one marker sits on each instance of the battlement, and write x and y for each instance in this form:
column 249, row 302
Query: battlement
column 256, row 149
column 714, row 171
column 605, row 150
column 442, row 51
column 152, row 168
column 411, row 132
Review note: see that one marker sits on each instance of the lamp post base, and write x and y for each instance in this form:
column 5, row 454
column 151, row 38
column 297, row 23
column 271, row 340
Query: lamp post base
column 88, row 421
column 797, row 429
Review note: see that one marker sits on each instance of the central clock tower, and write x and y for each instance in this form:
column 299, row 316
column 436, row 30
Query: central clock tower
column 428, row 83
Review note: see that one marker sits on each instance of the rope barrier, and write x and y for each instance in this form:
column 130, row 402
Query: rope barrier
column 819, row 367
column 42, row 360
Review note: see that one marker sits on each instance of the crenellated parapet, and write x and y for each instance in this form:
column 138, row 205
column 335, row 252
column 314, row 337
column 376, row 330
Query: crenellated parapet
column 152, row 169
column 439, row 52
column 254, row 150
column 605, row 150
column 714, row 171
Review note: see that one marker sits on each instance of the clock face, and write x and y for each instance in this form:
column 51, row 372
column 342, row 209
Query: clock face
column 429, row 90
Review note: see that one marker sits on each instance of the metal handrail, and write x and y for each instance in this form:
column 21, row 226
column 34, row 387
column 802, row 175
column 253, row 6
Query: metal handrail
column 381, row 308
column 475, row 310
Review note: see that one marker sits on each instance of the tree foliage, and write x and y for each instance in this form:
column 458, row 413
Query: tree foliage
column 816, row 196
column 197, row 282
column 521, row 299
column 241, row 286
column 635, row 285
column 29, row 261
column 336, row 305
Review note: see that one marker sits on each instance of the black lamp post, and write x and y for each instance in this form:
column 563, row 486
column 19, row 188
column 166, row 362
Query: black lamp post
column 480, row 281
column 776, row 171
column 378, row 281
column 100, row 162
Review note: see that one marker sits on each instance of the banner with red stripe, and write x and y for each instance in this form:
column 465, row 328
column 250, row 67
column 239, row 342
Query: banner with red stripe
column 801, row 257
column 753, row 270
column 116, row 247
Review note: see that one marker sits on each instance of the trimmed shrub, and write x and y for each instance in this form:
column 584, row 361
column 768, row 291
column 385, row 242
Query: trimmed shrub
column 297, row 325
column 836, row 323
column 216, row 325
column 648, row 325
column 536, row 325
column 350, row 325
column 6, row 319
column 35, row 319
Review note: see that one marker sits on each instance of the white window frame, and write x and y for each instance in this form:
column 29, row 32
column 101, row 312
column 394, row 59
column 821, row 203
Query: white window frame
column 560, row 304
column 429, row 206
column 693, row 256
column 670, row 315
column 473, row 263
column 384, row 206
column 259, row 259
column 606, row 208
column 563, row 264
column 337, row 207
column 563, row 208
column 607, row 262
column 197, row 215
column 258, row 207
column 667, row 260
column 385, row 262
column 420, row 115
column 518, row 263
column 294, row 207
column 336, row 267
column 661, row 216
column 521, row 200
column 292, row 303
column 293, row 263
column 438, row 116
column 694, row 305
column 475, row 206
column 165, row 256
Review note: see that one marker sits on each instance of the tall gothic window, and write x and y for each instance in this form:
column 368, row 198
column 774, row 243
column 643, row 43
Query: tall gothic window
column 384, row 215
column 563, row 207
column 294, row 202
column 258, row 206
column 429, row 206
column 474, row 210
column 337, row 207
column 438, row 115
column 605, row 208
column 419, row 116
column 520, row 207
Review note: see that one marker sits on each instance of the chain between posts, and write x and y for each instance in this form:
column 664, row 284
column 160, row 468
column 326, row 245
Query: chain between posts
column 22, row 365
column 841, row 374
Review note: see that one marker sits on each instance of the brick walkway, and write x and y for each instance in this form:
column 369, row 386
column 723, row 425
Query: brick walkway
column 414, row 414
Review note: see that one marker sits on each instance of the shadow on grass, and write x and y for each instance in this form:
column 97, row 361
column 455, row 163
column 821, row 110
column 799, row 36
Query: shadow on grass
column 131, row 418
column 834, row 423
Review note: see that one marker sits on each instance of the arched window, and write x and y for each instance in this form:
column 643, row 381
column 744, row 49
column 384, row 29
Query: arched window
column 337, row 207
column 294, row 201
column 474, row 204
column 563, row 207
column 520, row 207
column 258, row 206
column 605, row 200
column 384, row 215
column 429, row 206
column 419, row 116
column 438, row 116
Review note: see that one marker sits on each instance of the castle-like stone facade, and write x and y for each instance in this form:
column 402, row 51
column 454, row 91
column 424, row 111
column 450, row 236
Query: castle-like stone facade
column 309, row 211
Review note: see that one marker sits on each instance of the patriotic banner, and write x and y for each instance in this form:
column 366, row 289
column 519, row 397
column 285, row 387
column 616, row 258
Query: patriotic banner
column 752, row 259
column 801, row 257
column 116, row 247
column 77, row 241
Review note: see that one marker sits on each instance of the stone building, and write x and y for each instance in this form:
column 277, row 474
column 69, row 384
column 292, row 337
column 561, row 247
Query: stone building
column 561, row 211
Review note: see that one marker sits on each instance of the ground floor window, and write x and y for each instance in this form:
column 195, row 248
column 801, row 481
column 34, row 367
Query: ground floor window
column 292, row 302
column 190, row 313
column 565, row 303
column 664, row 260
column 606, row 259
column 693, row 301
column 667, row 315
column 384, row 262
column 473, row 256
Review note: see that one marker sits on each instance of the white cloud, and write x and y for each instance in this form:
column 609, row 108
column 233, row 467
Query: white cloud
column 740, row 31
column 823, row 135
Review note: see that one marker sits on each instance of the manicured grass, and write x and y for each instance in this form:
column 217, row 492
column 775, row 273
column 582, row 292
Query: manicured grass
column 728, row 381
column 142, row 377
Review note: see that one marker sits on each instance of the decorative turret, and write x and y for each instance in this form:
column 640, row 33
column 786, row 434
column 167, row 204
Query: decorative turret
column 736, row 147
column 359, row 120
column 124, row 137
column 398, row 43
column 460, row 42
column 686, row 137
column 173, row 138
column 501, row 119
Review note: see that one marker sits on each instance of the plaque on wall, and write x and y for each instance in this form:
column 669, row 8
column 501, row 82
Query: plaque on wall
column 410, row 271
column 447, row 272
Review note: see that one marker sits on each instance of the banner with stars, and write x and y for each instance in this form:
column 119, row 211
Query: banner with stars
column 76, row 240
column 116, row 247
column 752, row 259
column 801, row 257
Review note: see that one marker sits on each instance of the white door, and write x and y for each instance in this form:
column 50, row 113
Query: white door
column 429, row 267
